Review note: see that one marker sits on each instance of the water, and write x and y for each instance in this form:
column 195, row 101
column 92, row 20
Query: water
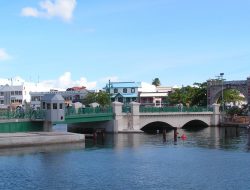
column 211, row 158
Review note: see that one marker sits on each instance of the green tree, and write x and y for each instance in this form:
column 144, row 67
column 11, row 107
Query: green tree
column 100, row 97
column 156, row 82
column 232, row 95
column 190, row 95
column 90, row 98
column 103, row 98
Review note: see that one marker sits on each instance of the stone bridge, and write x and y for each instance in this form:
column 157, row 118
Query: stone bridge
column 215, row 88
column 137, row 121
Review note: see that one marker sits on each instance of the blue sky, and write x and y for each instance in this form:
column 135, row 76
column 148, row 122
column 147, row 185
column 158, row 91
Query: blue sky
column 87, row 42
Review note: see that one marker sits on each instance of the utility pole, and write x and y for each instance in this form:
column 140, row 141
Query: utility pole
column 109, row 93
column 222, row 88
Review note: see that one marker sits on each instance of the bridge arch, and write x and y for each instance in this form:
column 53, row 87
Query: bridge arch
column 239, row 88
column 195, row 125
column 156, row 126
column 215, row 87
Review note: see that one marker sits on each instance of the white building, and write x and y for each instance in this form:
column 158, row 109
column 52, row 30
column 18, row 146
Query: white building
column 12, row 96
column 70, row 96
column 155, row 98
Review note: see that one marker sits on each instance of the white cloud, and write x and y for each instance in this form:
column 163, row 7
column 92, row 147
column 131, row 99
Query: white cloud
column 28, row 11
column 62, row 83
column 52, row 8
column 4, row 55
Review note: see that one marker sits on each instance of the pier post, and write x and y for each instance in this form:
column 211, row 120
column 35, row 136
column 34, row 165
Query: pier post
column 215, row 121
column 175, row 134
column 118, row 117
column 135, row 111
column 164, row 135
column 47, row 126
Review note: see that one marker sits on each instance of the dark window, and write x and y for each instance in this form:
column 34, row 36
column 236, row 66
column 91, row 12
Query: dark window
column 12, row 93
column 132, row 90
column 115, row 90
column 60, row 106
column 54, row 106
column 48, row 106
column 125, row 90
column 2, row 93
column 20, row 92
column 44, row 105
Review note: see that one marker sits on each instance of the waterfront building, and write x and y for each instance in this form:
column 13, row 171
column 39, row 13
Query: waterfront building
column 12, row 96
column 71, row 95
column 124, row 92
column 156, row 98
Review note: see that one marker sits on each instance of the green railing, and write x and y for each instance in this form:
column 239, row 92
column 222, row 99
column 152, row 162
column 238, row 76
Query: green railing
column 126, row 109
column 22, row 114
column 174, row 109
column 88, row 110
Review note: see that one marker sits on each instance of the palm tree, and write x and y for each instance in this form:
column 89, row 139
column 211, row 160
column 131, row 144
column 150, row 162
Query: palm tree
column 156, row 82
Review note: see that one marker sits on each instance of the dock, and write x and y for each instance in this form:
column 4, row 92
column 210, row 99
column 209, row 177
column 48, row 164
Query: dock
column 38, row 138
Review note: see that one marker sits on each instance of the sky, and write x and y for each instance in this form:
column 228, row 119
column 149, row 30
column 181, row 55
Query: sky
column 65, row 43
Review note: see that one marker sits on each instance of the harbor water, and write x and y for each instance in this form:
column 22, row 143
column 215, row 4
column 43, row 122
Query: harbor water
column 209, row 158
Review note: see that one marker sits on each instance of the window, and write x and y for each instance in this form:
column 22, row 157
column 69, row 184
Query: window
column 2, row 94
column 125, row 90
column 20, row 93
column 115, row 90
column 61, row 106
column 2, row 102
column 12, row 92
column 48, row 106
column 132, row 90
column 44, row 105
column 54, row 106
column 16, row 92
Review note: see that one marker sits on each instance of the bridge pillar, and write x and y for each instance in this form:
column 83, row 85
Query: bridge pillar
column 118, row 120
column 135, row 111
column 216, row 115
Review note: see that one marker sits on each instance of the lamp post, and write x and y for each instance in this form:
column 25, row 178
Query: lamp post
column 222, row 94
column 109, row 93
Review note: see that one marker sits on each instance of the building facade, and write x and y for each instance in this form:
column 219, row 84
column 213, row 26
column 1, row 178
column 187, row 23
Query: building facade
column 124, row 92
column 71, row 95
column 157, row 98
column 12, row 96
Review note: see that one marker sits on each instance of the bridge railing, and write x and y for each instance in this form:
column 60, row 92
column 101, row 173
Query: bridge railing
column 88, row 110
column 126, row 109
column 174, row 109
column 22, row 114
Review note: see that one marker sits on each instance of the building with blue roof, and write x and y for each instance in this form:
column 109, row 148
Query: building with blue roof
column 124, row 92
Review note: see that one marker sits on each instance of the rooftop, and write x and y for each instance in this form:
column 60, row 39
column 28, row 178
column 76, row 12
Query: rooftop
column 124, row 85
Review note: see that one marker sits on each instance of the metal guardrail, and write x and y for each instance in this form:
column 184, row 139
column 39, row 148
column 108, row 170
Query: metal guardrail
column 88, row 110
column 126, row 109
column 174, row 109
column 22, row 114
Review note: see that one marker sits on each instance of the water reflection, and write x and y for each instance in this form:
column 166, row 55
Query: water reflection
column 210, row 137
